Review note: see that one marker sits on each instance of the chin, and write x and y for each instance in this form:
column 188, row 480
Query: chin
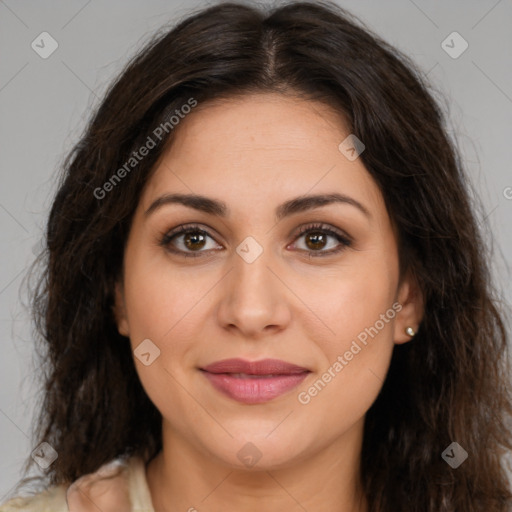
column 260, row 453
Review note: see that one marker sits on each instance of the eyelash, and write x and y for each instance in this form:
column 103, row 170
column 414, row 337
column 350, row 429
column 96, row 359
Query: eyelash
column 344, row 240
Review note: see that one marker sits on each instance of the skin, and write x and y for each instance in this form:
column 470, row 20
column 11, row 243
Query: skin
column 254, row 153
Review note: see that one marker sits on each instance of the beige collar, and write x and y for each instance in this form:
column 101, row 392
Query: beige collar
column 119, row 486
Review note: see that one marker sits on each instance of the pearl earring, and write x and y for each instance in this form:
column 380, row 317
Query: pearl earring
column 410, row 331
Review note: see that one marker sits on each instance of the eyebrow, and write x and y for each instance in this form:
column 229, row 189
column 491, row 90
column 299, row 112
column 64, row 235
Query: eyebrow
column 286, row 209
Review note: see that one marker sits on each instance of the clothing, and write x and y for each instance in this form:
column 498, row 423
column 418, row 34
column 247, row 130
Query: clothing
column 119, row 486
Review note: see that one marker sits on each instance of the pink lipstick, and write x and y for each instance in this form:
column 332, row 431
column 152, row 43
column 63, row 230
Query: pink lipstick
column 254, row 382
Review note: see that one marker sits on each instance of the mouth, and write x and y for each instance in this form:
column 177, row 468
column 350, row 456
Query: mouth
column 254, row 382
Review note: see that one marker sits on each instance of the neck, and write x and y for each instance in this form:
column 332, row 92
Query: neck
column 183, row 478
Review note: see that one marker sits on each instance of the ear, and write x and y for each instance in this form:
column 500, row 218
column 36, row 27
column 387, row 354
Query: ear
column 410, row 298
column 120, row 310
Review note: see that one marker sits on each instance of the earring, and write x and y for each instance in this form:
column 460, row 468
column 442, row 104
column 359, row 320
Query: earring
column 410, row 331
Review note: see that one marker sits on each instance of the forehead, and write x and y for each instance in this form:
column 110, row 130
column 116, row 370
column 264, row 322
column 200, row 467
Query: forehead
column 264, row 147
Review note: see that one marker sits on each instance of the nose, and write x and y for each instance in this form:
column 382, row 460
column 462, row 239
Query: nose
column 254, row 298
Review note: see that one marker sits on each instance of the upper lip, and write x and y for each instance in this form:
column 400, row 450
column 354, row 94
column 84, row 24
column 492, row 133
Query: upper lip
column 263, row 367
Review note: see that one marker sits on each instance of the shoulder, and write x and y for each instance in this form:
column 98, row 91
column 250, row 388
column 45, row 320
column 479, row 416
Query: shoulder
column 118, row 485
column 51, row 500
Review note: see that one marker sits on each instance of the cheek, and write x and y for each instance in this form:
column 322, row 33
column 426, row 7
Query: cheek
column 357, row 309
column 158, row 296
column 349, row 302
column 159, row 305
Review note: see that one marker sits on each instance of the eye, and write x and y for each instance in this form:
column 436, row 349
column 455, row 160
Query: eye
column 189, row 239
column 316, row 238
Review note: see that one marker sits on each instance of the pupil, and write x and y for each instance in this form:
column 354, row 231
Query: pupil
column 191, row 240
column 318, row 240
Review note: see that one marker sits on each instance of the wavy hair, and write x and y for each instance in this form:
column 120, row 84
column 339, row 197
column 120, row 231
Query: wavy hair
column 451, row 383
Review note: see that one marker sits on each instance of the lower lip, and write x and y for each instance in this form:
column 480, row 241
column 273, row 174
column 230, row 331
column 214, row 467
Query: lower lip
column 254, row 390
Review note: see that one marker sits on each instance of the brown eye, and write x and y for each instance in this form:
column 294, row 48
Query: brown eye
column 316, row 238
column 194, row 240
column 188, row 241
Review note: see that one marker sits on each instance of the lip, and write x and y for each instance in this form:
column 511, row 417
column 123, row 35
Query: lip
column 262, row 367
column 262, row 380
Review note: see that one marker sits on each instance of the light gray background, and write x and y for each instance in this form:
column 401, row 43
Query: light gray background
column 43, row 105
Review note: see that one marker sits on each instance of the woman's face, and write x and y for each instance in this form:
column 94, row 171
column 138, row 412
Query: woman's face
column 253, row 287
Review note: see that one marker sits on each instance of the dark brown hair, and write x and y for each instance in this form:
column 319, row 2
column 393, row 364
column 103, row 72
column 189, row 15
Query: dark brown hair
column 449, row 384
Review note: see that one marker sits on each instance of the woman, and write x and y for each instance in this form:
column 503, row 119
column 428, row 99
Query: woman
column 266, row 288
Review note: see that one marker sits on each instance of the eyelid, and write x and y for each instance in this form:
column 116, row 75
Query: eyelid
column 164, row 238
column 344, row 239
column 321, row 226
